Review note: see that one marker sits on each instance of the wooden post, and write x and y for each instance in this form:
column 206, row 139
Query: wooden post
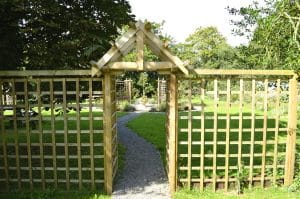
column 158, row 93
column 130, row 90
column 140, row 50
column 173, row 137
column 291, row 134
column 189, row 165
column 78, row 138
column 107, row 128
column 66, row 142
column 91, row 119
column 4, row 137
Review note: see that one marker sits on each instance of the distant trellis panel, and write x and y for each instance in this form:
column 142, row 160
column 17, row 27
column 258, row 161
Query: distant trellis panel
column 161, row 91
column 52, row 133
column 235, row 129
column 123, row 90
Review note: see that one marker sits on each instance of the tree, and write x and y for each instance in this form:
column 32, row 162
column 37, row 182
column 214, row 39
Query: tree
column 60, row 34
column 10, row 38
column 207, row 48
column 275, row 41
column 144, row 84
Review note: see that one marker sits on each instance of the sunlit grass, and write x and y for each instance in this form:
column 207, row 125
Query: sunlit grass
column 21, row 137
column 258, row 193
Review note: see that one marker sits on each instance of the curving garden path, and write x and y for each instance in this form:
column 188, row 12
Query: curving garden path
column 143, row 175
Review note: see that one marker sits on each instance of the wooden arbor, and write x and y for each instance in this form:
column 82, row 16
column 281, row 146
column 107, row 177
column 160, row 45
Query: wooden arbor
column 109, row 65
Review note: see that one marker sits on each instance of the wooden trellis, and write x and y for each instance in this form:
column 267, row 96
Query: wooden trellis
column 124, row 90
column 161, row 91
column 52, row 133
column 243, row 127
column 77, row 149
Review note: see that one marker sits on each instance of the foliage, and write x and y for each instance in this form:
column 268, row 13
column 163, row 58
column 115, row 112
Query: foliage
column 145, row 85
column 207, row 48
column 295, row 187
column 270, row 193
column 162, row 107
column 241, row 178
column 10, row 38
column 275, row 42
column 62, row 34
column 125, row 106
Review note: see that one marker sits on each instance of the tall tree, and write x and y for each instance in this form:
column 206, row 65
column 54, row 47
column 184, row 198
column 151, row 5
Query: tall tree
column 11, row 11
column 61, row 34
column 275, row 41
column 207, row 48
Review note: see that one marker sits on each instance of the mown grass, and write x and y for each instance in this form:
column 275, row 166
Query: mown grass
column 257, row 193
column 151, row 126
column 35, row 137
column 53, row 194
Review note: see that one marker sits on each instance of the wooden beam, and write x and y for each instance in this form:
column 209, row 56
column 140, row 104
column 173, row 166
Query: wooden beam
column 153, row 38
column 125, row 38
column 243, row 72
column 140, row 50
column 173, row 131
column 126, row 49
column 122, row 42
column 128, row 46
column 156, row 50
column 47, row 73
column 106, row 57
column 133, row 66
column 291, row 134
column 107, row 128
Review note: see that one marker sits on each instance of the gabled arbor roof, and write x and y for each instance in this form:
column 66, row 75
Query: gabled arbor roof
column 135, row 38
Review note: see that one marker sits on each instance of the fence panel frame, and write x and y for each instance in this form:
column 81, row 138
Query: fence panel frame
column 35, row 172
column 254, row 76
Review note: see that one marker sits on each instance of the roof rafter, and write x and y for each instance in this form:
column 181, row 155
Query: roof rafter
column 137, row 38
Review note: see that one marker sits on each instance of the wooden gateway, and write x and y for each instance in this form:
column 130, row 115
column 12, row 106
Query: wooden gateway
column 198, row 156
column 235, row 126
column 109, row 65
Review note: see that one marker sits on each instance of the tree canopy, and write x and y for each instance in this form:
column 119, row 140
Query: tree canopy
column 58, row 34
column 207, row 48
column 275, row 41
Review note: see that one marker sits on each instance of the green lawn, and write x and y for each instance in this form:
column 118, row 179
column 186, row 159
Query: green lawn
column 53, row 194
column 35, row 138
column 151, row 126
column 257, row 193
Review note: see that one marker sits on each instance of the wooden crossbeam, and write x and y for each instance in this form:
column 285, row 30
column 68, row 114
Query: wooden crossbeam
column 155, row 40
column 149, row 66
column 243, row 72
column 138, row 37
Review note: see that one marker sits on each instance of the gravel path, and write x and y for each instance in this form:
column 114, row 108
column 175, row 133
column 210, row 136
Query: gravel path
column 143, row 175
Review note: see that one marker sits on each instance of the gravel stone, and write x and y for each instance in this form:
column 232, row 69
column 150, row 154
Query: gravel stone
column 143, row 175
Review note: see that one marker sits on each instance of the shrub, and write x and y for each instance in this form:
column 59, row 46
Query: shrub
column 126, row 107
column 162, row 107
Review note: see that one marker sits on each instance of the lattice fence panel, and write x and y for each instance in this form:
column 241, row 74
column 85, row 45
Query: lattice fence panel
column 51, row 133
column 232, row 130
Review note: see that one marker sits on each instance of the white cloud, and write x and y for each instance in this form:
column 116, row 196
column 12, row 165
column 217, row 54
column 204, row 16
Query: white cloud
column 183, row 17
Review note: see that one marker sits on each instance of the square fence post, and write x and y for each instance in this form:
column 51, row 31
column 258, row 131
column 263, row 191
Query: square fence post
column 291, row 133
column 107, row 139
column 172, row 129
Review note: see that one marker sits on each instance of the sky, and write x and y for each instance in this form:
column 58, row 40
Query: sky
column 183, row 17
